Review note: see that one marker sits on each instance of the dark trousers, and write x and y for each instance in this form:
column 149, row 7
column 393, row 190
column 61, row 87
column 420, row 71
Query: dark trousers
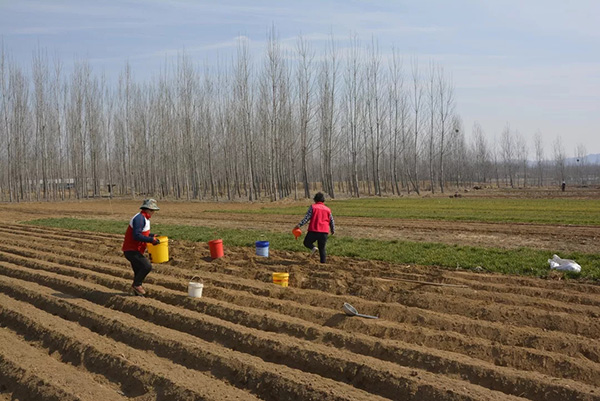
column 140, row 264
column 321, row 239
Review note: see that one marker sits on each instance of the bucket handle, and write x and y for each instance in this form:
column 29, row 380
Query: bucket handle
column 192, row 279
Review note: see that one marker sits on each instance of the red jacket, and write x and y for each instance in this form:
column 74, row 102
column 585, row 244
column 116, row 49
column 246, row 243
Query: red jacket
column 138, row 233
column 320, row 219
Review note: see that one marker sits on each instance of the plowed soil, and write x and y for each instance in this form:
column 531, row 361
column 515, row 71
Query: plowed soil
column 72, row 330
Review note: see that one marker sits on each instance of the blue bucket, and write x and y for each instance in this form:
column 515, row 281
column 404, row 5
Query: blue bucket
column 262, row 248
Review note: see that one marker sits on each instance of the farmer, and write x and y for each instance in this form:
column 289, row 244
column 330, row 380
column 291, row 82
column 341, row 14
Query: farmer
column 136, row 237
column 321, row 222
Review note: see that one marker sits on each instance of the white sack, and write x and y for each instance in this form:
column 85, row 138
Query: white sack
column 564, row 264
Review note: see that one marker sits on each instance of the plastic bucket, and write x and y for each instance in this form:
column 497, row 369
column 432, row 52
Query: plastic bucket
column 195, row 288
column 262, row 248
column 159, row 253
column 216, row 248
column 281, row 279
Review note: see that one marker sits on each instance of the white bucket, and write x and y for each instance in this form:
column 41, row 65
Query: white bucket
column 195, row 288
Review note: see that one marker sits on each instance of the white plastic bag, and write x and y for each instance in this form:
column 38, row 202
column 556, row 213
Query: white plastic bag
column 564, row 264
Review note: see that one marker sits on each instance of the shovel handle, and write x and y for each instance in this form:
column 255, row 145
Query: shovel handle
column 367, row 316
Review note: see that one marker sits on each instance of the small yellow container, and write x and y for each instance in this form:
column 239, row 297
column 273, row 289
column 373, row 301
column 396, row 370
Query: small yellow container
column 281, row 279
column 159, row 253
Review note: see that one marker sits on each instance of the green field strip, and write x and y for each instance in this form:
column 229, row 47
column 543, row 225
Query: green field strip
column 520, row 261
column 540, row 211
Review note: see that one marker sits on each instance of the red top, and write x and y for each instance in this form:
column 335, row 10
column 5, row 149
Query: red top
column 319, row 221
column 138, row 233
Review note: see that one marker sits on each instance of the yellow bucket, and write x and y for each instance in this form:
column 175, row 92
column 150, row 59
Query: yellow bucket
column 159, row 253
column 281, row 279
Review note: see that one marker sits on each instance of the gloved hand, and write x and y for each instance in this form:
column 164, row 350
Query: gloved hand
column 155, row 241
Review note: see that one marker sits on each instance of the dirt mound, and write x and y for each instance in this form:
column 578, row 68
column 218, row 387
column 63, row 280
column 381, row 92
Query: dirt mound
column 71, row 329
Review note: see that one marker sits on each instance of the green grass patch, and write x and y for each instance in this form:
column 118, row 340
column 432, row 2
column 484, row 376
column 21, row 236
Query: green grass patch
column 522, row 261
column 542, row 211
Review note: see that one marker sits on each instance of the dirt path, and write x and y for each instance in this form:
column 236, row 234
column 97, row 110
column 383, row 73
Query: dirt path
column 64, row 298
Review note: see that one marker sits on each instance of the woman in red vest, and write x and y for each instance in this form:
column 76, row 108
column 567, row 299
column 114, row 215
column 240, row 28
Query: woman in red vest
column 321, row 222
column 134, row 245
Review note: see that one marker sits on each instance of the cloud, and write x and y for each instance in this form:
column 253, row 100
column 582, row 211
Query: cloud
column 555, row 17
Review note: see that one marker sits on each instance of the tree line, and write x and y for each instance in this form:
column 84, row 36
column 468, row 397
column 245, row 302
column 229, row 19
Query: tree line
column 351, row 121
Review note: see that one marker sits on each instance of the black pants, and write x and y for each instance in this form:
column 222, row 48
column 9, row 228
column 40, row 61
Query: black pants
column 321, row 239
column 140, row 264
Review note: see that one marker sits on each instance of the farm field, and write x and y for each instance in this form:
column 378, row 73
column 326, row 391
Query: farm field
column 70, row 329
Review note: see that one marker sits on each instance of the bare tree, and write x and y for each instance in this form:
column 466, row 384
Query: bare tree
column 581, row 162
column 482, row 154
column 42, row 115
column 271, row 97
column 433, row 106
column 77, row 140
column 305, row 110
column 559, row 159
column 20, row 125
column 206, row 130
column 244, row 101
column 522, row 152
column 7, row 137
column 109, row 140
column 398, row 114
column 495, row 152
column 539, row 157
column 187, row 119
column 507, row 145
column 225, row 129
column 353, row 86
column 124, row 142
column 446, row 107
column 374, row 113
column 458, row 150
column 327, row 88
column 416, row 106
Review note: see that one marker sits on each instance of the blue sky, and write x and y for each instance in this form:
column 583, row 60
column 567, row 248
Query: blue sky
column 532, row 64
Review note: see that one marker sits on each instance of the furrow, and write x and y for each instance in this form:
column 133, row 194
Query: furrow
column 136, row 373
column 57, row 236
column 370, row 374
column 25, row 364
column 500, row 334
column 503, row 379
column 232, row 366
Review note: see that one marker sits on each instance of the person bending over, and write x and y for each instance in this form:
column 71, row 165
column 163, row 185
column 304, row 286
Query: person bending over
column 137, row 236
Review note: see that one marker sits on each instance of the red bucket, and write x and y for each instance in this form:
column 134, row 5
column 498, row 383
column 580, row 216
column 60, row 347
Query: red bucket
column 216, row 248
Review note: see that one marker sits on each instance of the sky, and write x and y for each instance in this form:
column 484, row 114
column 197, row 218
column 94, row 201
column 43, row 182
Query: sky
column 531, row 65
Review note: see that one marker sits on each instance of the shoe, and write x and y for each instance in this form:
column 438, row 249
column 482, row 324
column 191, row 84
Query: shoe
column 313, row 251
column 138, row 290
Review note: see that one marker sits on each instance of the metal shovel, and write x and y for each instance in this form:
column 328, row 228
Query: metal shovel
column 351, row 311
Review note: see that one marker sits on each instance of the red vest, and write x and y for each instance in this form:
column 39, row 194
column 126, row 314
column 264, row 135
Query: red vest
column 130, row 243
column 319, row 221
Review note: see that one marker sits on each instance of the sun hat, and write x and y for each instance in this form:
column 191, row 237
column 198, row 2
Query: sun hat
column 149, row 204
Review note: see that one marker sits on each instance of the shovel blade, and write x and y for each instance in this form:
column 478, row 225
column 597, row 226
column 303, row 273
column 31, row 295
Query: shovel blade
column 351, row 311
